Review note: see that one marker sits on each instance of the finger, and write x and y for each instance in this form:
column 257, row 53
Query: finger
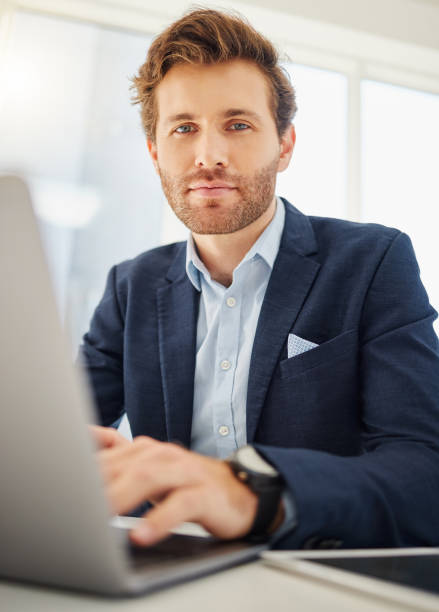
column 110, row 470
column 148, row 458
column 107, row 437
column 113, row 460
column 115, row 451
column 116, row 461
column 125, row 448
column 149, row 473
column 112, row 463
column 180, row 506
column 125, row 492
column 131, row 486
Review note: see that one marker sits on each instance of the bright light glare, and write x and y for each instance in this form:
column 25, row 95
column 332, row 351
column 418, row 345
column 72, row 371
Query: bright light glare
column 47, row 80
column 64, row 204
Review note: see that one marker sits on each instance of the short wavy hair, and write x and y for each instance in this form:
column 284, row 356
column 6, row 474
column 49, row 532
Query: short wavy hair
column 207, row 36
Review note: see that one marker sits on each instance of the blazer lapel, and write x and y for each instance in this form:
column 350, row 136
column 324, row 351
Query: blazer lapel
column 177, row 305
column 291, row 279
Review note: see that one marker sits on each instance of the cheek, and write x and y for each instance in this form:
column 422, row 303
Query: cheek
column 256, row 151
column 255, row 159
column 172, row 156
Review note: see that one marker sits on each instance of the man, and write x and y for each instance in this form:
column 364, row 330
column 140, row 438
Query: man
column 300, row 348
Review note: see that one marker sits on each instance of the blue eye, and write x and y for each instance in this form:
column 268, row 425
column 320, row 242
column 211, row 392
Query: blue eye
column 240, row 128
column 185, row 129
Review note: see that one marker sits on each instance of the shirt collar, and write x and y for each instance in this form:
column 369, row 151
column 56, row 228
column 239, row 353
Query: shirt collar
column 266, row 247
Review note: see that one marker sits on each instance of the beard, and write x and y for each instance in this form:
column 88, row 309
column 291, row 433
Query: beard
column 256, row 194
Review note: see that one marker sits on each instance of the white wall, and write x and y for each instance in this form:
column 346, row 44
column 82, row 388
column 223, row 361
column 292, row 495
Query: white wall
column 414, row 21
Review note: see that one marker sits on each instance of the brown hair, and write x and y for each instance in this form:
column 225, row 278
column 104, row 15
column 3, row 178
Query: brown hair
column 206, row 36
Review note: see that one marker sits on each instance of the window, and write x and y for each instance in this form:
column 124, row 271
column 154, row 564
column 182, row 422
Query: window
column 315, row 181
column 67, row 124
column 400, row 156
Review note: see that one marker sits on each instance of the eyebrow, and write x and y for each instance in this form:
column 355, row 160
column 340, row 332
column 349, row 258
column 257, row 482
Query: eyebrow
column 230, row 112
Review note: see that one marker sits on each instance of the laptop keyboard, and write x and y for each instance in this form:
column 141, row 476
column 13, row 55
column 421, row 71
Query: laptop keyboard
column 176, row 548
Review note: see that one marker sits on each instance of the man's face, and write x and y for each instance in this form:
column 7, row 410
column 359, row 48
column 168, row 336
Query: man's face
column 217, row 150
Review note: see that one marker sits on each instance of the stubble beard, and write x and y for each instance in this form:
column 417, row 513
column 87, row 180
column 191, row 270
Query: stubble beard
column 256, row 193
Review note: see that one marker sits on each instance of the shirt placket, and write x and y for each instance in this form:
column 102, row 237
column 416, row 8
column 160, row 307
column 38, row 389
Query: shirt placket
column 225, row 367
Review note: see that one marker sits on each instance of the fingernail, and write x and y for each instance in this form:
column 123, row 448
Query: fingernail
column 143, row 534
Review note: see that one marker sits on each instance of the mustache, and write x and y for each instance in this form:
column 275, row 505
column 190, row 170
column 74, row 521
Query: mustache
column 207, row 175
column 218, row 174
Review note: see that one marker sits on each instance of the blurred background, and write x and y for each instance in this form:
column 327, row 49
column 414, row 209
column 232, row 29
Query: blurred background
column 367, row 83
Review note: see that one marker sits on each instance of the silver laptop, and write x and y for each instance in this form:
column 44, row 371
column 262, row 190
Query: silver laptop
column 55, row 522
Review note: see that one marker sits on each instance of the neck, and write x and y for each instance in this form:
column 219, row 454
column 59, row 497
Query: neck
column 221, row 253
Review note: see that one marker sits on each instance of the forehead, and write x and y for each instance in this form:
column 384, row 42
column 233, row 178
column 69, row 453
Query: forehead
column 209, row 89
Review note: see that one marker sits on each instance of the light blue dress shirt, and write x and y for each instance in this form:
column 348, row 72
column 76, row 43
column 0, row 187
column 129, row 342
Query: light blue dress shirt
column 226, row 328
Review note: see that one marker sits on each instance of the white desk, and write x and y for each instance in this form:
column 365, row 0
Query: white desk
column 252, row 587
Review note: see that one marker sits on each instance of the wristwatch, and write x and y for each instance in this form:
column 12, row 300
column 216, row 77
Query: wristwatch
column 264, row 480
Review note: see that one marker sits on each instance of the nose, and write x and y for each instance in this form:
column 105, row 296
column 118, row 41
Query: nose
column 211, row 151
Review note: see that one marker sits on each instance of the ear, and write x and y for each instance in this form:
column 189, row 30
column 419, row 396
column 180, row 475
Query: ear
column 287, row 142
column 152, row 148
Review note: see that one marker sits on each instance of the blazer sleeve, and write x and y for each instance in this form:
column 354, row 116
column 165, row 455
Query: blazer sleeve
column 388, row 495
column 101, row 354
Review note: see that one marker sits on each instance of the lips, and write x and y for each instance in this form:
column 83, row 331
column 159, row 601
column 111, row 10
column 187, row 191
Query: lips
column 212, row 186
column 212, row 190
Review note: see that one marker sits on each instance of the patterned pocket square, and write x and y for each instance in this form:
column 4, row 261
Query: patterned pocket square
column 298, row 345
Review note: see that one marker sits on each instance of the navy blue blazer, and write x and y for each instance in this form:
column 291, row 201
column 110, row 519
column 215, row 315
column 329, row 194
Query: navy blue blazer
column 353, row 425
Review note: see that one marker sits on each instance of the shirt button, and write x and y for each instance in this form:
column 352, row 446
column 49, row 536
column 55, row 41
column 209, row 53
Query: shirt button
column 225, row 364
column 231, row 302
column 223, row 430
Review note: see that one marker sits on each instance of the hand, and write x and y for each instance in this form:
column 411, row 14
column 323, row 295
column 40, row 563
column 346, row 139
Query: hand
column 184, row 486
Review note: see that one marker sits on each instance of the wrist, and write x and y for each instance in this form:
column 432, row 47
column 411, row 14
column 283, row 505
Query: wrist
column 260, row 477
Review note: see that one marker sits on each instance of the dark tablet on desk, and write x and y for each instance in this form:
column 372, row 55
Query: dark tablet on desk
column 419, row 572
column 409, row 576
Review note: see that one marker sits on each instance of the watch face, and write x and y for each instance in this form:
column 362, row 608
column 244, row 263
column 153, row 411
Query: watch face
column 252, row 460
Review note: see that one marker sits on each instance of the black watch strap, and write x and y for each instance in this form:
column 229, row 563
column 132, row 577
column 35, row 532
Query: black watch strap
column 268, row 505
column 267, row 487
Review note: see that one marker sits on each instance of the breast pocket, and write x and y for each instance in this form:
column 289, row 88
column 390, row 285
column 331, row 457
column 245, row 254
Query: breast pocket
column 342, row 346
column 313, row 401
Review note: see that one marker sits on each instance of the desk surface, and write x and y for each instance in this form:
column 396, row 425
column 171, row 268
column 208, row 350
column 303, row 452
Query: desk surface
column 253, row 587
